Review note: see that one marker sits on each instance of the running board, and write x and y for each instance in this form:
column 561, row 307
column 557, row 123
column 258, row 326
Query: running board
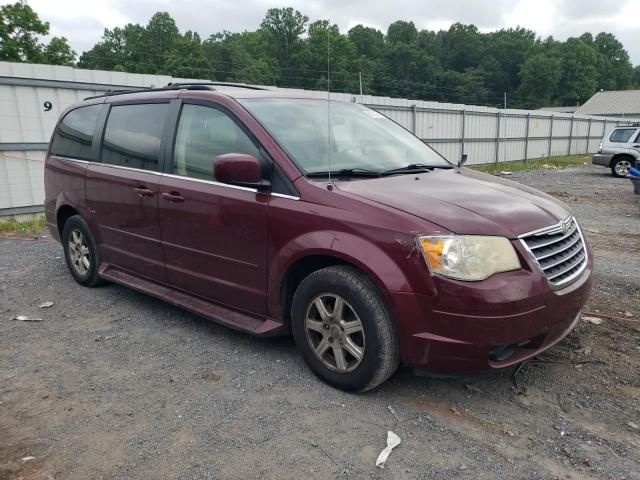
column 211, row 311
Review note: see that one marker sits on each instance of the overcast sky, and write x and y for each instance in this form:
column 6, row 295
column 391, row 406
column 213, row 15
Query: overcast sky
column 83, row 21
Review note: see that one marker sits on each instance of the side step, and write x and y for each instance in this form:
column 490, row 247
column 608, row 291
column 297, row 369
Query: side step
column 211, row 311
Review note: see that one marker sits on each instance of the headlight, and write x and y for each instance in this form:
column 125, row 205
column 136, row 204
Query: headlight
column 468, row 257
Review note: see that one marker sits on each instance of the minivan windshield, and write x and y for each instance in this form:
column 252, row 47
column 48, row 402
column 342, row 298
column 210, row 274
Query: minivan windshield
column 361, row 140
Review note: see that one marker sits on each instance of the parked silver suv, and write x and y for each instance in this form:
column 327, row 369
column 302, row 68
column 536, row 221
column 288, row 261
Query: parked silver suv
column 619, row 150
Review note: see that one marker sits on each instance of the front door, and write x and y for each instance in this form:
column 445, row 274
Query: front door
column 122, row 190
column 214, row 235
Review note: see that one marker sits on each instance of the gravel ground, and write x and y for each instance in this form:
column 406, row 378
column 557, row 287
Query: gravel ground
column 114, row 384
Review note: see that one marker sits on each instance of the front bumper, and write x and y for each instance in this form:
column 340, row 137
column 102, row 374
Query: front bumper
column 602, row 159
column 496, row 323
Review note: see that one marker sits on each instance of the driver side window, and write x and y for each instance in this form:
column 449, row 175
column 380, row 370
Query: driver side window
column 203, row 134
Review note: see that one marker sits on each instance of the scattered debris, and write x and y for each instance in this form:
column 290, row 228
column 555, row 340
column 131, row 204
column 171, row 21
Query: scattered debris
column 455, row 411
column 393, row 441
column 393, row 412
column 628, row 314
column 473, row 388
column 213, row 376
column 101, row 338
column 317, row 445
column 594, row 320
column 583, row 350
column 45, row 305
column 633, row 425
column 510, row 433
column 24, row 318
column 27, row 459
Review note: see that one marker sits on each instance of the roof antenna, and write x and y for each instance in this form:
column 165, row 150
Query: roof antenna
column 330, row 185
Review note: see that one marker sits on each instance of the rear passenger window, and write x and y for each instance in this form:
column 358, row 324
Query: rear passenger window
column 75, row 133
column 133, row 134
column 622, row 135
column 203, row 134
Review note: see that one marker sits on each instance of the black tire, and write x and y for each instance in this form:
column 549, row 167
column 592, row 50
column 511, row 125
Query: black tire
column 618, row 165
column 381, row 349
column 85, row 275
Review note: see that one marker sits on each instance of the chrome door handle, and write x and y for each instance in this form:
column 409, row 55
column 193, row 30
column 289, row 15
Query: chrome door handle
column 144, row 192
column 173, row 197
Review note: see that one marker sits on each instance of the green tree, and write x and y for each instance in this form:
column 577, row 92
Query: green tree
column 540, row 75
column 368, row 41
column 58, row 52
column 19, row 30
column 402, row 32
column 285, row 26
column 579, row 72
column 614, row 68
column 635, row 78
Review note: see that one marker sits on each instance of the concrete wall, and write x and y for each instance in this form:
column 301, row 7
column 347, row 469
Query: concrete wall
column 33, row 96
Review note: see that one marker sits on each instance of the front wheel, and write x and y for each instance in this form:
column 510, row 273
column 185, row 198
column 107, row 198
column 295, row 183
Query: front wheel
column 620, row 168
column 344, row 330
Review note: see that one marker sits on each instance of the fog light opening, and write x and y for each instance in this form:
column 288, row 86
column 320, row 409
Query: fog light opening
column 503, row 352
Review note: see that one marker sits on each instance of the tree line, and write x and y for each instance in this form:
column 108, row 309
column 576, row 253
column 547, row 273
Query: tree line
column 458, row 65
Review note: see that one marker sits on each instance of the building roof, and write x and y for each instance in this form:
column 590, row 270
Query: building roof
column 621, row 102
column 559, row 109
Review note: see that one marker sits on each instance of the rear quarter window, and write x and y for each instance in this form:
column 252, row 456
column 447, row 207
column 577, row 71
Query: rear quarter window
column 75, row 132
column 622, row 135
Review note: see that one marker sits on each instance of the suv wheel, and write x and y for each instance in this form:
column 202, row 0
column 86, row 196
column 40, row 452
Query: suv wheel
column 343, row 329
column 620, row 168
column 80, row 252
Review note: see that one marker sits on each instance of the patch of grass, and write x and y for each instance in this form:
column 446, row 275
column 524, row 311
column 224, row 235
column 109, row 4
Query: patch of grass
column 13, row 226
column 537, row 164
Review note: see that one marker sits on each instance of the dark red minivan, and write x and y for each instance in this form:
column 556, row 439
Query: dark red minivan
column 272, row 213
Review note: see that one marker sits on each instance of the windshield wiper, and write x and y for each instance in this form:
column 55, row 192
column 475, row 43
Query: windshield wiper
column 346, row 172
column 414, row 168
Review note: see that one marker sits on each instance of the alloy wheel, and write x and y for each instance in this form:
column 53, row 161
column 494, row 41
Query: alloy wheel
column 622, row 167
column 79, row 252
column 335, row 333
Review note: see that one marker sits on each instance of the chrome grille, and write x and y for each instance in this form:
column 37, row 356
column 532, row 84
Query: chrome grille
column 559, row 250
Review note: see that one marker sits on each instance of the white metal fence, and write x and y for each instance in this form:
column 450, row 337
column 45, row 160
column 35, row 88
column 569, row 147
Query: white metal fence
column 33, row 96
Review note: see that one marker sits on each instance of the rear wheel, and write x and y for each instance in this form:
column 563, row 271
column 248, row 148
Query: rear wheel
column 344, row 330
column 80, row 252
column 620, row 167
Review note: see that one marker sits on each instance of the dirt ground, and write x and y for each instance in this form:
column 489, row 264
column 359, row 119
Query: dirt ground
column 112, row 384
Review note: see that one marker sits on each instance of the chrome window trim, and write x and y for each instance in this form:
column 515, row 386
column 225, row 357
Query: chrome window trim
column 282, row 195
column 211, row 182
column 76, row 160
column 133, row 169
column 552, row 229
column 180, row 177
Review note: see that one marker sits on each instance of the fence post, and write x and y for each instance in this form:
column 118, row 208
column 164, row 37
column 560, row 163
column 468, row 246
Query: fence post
column 498, row 138
column 464, row 115
column 414, row 125
column 526, row 138
column 570, row 136
column 550, row 137
column 588, row 136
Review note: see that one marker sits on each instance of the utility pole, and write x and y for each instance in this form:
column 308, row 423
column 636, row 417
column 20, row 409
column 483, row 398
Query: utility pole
column 360, row 78
column 505, row 100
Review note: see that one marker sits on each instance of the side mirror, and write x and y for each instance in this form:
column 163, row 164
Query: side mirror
column 463, row 160
column 238, row 169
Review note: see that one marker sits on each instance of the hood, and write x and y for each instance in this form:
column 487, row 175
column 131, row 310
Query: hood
column 464, row 201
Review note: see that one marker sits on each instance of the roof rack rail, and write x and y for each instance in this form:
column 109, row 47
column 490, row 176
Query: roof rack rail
column 176, row 86
column 187, row 85
column 123, row 91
